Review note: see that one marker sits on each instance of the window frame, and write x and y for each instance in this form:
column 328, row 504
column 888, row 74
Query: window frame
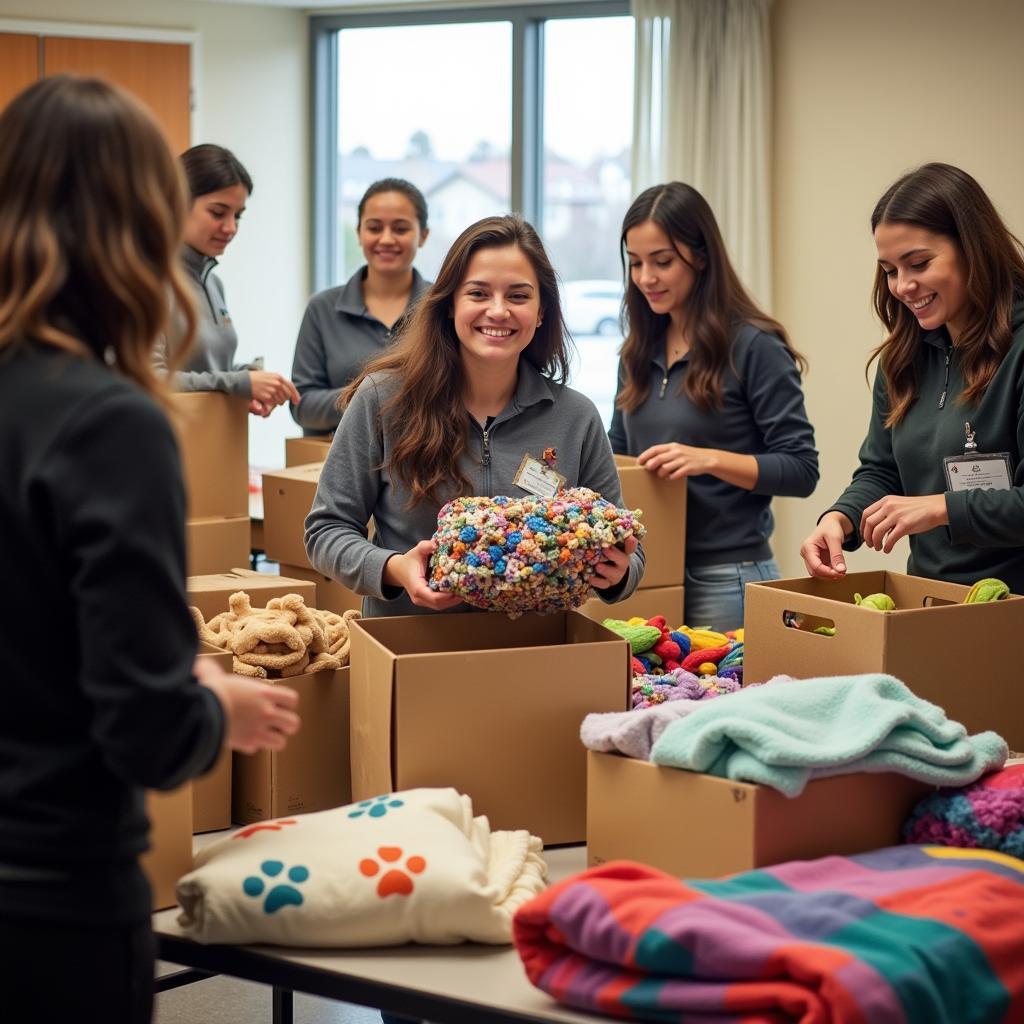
column 526, row 154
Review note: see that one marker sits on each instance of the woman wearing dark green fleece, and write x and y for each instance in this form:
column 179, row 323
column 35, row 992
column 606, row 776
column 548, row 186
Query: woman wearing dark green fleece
column 949, row 393
column 709, row 389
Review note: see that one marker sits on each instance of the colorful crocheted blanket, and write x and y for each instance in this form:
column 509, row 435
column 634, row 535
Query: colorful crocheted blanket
column 923, row 934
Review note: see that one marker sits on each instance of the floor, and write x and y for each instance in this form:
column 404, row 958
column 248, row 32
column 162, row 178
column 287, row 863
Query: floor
column 223, row 1000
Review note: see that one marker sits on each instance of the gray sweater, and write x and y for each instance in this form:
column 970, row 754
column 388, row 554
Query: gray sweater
column 210, row 363
column 762, row 415
column 353, row 487
column 337, row 338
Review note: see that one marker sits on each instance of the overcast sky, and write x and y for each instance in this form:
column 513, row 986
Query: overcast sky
column 454, row 83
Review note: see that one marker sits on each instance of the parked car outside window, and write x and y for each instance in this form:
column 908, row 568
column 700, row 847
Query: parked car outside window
column 593, row 307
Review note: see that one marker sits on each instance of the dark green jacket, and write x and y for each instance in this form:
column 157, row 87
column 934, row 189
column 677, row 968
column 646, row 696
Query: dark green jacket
column 985, row 536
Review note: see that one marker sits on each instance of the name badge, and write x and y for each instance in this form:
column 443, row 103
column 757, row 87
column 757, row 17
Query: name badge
column 536, row 478
column 974, row 472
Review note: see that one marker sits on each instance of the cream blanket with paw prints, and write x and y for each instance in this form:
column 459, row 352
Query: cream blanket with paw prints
column 414, row 866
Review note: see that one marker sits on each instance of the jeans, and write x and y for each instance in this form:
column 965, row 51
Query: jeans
column 714, row 593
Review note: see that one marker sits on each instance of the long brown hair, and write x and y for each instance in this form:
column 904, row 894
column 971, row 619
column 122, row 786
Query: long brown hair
column 427, row 413
column 91, row 214
column 947, row 201
column 717, row 304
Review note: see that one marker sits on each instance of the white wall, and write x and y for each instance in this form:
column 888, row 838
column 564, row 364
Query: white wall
column 863, row 92
column 252, row 97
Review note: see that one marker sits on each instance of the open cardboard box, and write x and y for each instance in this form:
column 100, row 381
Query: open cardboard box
column 331, row 595
column 959, row 656
column 487, row 704
column 663, row 503
column 170, row 842
column 645, row 603
column 210, row 593
column 700, row 826
column 300, row 451
column 213, row 437
column 313, row 772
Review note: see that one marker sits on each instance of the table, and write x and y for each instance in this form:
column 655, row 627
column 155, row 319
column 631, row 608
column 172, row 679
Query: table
column 466, row 984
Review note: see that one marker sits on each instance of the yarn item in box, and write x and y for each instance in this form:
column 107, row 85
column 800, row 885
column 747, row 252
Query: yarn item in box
column 528, row 554
column 649, row 690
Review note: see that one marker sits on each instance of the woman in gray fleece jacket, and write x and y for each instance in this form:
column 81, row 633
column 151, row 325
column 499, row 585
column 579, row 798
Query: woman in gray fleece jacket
column 474, row 384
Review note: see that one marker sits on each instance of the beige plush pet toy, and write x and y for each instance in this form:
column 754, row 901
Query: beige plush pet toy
column 284, row 639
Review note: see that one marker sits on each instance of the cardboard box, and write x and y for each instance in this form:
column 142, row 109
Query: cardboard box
column 213, row 436
column 663, row 503
column 299, row 451
column 700, row 826
column 170, row 842
column 211, row 793
column 313, row 772
column 487, row 704
column 331, row 595
column 215, row 545
column 287, row 498
column 645, row 603
column 210, row 593
column 958, row 656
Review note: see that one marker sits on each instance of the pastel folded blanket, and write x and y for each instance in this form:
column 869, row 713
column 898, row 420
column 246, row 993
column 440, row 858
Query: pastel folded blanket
column 924, row 934
column 784, row 736
column 632, row 733
column 414, row 866
column 988, row 815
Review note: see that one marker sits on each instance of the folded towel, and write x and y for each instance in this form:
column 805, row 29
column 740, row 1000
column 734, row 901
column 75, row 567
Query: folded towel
column 922, row 934
column 414, row 866
column 784, row 736
column 988, row 815
column 632, row 733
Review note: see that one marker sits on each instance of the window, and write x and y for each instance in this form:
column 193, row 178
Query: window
column 486, row 111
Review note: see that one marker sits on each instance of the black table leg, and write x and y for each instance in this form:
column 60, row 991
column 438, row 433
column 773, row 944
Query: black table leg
column 282, row 1006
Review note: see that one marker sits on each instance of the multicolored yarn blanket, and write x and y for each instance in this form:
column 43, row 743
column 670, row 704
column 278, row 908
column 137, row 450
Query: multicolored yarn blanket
column 784, row 736
column 988, row 815
column 905, row 935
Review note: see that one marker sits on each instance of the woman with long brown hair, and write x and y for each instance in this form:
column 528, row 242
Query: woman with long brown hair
column 709, row 389
column 474, row 384
column 942, row 463
column 101, row 696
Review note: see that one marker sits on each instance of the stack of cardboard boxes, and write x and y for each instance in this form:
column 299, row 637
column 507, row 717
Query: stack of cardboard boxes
column 213, row 437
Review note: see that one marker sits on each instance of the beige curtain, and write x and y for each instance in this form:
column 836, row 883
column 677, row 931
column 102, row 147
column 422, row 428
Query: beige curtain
column 702, row 115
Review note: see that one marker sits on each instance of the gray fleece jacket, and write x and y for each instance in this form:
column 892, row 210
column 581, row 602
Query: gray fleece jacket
column 353, row 487
column 210, row 364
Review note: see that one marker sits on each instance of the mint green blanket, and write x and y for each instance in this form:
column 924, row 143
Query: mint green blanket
column 785, row 734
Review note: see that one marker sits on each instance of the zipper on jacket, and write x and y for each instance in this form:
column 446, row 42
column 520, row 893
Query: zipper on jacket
column 664, row 385
column 487, row 459
column 945, row 383
column 206, row 292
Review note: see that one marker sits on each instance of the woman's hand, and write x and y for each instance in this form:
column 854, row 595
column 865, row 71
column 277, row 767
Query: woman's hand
column 674, row 460
column 822, row 552
column 258, row 716
column 270, row 390
column 896, row 516
column 409, row 571
column 614, row 565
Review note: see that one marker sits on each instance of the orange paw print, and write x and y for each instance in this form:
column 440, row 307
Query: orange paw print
column 396, row 881
column 263, row 826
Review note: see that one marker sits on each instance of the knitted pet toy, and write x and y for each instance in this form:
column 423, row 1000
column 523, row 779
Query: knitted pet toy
column 284, row 639
column 518, row 555
column 988, row 814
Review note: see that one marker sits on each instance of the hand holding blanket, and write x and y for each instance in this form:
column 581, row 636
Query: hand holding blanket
column 906, row 935
column 414, row 866
column 784, row 736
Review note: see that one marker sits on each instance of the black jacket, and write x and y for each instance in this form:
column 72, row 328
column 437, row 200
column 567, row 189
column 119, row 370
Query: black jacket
column 96, row 690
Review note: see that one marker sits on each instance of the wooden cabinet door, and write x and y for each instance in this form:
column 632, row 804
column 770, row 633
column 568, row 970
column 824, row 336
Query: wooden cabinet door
column 159, row 74
column 19, row 64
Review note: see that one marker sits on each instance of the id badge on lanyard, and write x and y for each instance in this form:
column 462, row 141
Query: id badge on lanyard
column 975, row 470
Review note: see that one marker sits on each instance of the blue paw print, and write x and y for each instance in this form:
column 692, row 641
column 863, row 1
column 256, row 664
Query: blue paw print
column 376, row 807
column 282, row 894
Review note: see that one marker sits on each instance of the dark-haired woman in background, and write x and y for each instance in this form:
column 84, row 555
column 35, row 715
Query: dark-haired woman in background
column 949, row 288
column 220, row 188
column 102, row 692
column 709, row 389
column 345, row 327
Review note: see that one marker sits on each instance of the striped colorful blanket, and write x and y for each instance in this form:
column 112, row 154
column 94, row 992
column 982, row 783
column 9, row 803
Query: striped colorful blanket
column 904, row 935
